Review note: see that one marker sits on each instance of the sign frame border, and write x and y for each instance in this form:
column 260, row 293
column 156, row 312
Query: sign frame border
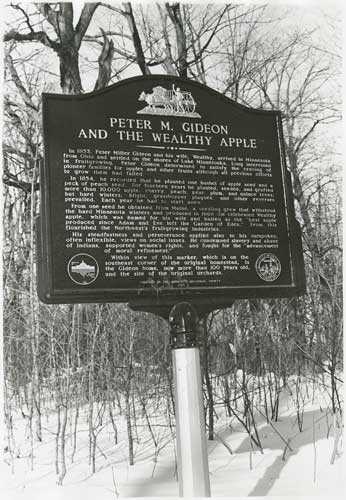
column 145, row 297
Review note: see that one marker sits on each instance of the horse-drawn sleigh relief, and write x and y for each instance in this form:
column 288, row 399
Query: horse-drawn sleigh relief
column 172, row 101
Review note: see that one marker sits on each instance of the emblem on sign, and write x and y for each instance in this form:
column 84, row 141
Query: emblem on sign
column 173, row 102
column 268, row 267
column 83, row 269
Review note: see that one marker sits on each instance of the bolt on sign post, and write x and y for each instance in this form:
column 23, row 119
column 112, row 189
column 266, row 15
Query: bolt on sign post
column 158, row 191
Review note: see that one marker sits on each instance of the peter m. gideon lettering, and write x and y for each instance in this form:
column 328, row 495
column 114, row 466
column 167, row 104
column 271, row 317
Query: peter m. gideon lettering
column 159, row 189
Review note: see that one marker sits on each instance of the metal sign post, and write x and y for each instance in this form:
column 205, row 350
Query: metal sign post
column 193, row 471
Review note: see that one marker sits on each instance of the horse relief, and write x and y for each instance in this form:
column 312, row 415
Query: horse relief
column 172, row 101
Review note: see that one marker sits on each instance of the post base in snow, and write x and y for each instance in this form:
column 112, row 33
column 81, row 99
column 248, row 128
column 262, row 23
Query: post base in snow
column 193, row 470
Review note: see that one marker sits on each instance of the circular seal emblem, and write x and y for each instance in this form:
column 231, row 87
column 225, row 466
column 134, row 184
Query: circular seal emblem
column 268, row 267
column 83, row 269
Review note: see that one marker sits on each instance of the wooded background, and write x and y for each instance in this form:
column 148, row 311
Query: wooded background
column 106, row 359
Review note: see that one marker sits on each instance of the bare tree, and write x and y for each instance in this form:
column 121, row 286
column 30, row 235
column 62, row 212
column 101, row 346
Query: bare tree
column 63, row 38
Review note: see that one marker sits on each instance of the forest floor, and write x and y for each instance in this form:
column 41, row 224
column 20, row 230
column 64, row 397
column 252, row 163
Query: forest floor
column 237, row 469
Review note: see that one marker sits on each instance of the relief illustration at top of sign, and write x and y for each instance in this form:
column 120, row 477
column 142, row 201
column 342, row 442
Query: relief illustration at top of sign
column 172, row 102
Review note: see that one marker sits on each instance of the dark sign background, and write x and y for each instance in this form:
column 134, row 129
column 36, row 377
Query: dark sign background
column 139, row 215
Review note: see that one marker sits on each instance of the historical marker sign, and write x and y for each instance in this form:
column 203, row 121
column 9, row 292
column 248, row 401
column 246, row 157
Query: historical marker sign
column 157, row 188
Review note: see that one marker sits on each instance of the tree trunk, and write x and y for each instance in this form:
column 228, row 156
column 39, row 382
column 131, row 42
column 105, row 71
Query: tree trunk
column 140, row 57
column 70, row 80
column 174, row 13
column 129, row 428
column 105, row 63
column 62, row 473
column 299, row 193
column 35, row 332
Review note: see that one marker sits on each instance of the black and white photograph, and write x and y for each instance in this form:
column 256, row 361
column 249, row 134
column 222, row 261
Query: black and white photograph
column 172, row 305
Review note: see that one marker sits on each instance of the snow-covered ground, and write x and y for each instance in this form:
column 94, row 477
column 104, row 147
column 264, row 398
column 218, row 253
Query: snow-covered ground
column 236, row 468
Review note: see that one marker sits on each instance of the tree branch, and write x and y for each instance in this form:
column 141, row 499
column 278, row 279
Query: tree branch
column 13, row 181
column 105, row 63
column 20, row 87
column 48, row 13
column 110, row 7
column 140, row 57
column 207, row 43
column 84, row 21
column 95, row 38
column 303, row 139
column 34, row 36
column 18, row 7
